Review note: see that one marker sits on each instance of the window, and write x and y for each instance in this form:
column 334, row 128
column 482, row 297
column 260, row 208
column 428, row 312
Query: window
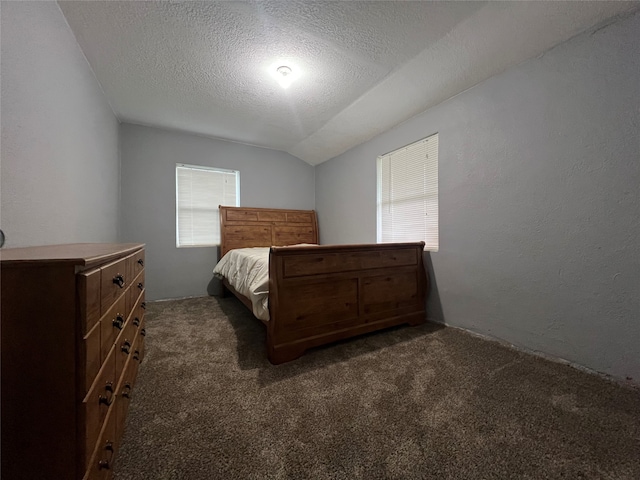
column 408, row 194
column 199, row 192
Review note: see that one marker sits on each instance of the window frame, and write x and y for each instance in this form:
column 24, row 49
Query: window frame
column 426, row 192
column 216, row 208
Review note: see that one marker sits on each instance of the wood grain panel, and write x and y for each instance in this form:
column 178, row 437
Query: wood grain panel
column 124, row 346
column 110, row 325
column 389, row 292
column 96, row 403
column 391, row 258
column 101, row 462
column 272, row 216
column 138, row 354
column 137, row 315
column 243, row 236
column 243, row 227
column 319, row 304
column 322, row 263
column 87, row 255
column 110, row 290
column 90, row 358
column 297, row 217
column 38, row 378
column 138, row 262
column 312, row 264
column 88, row 298
column 291, row 235
column 125, row 392
column 239, row 214
column 134, row 291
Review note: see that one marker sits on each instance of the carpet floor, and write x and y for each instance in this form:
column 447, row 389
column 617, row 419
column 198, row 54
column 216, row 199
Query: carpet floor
column 421, row 402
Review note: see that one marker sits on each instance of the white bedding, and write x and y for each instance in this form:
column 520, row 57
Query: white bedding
column 247, row 270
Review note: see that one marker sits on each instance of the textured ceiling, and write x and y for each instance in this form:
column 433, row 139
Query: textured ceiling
column 365, row 67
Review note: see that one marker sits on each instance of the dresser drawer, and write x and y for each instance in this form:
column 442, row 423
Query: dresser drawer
column 113, row 283
column 125, row 389
column 90, row 359
column 138, row 352
column 138, row 286
column 88, row 289
column 137, row 312
column 124, row 346
column 100, row 466
column 97, row 402
column 137, row 263
column 111, row 325
column 135, row 290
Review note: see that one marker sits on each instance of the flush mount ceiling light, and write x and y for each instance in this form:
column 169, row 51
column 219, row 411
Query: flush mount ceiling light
column 283, row 70
column 284, row 75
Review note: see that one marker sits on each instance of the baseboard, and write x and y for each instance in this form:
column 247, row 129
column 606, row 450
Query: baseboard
column 625, row 382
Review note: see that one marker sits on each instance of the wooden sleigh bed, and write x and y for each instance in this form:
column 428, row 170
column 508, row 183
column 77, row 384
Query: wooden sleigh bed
column 323, row 293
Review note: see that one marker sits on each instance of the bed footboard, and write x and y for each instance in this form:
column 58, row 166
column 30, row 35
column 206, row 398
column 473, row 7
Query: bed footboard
column 321, row 294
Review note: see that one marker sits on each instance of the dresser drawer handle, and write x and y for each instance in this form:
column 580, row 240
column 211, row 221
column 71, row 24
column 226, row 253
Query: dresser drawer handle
column 136, row 355
column 118, row 322
column 141, row 262
column 106, row 464
column 143, row 332
column 108, row 398
column 119, row 280
column 126, row 347
column 144, row 305
column 136, row 322
column 126, row 391
column 140, row 286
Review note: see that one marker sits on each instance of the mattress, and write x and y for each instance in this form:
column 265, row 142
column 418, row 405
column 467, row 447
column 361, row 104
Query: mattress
column 247, row 270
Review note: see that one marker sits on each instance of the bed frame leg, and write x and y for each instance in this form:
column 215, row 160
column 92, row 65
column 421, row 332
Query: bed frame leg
column 284, row 354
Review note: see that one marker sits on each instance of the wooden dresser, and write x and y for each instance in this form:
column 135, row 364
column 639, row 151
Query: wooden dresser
column 72, row 328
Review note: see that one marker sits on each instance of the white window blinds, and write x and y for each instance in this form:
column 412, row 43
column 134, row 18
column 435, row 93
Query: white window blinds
column 199, row 192
column 408, row 194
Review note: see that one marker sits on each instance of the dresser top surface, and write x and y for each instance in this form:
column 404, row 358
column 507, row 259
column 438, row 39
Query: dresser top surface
column 82, row 254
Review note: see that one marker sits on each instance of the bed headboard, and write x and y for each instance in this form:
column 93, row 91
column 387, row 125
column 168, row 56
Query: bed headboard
column 242, row 227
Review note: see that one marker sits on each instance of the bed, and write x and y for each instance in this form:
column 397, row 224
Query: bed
column 318, row 294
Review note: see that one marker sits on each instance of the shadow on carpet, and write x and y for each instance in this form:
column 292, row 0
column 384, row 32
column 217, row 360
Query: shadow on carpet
column 251, row 337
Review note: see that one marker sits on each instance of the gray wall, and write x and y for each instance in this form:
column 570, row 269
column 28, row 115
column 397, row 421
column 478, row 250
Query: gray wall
column 268, row 178
column 60, row 164
column 539, row 212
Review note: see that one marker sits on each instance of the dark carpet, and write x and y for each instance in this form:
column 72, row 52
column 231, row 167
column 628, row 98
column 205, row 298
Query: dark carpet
column 408, row 403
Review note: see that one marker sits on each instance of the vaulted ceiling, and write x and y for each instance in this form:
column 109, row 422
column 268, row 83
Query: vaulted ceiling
column 203, row 67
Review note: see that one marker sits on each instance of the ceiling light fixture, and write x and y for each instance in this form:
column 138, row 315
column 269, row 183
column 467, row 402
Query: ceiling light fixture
column 284, row 76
